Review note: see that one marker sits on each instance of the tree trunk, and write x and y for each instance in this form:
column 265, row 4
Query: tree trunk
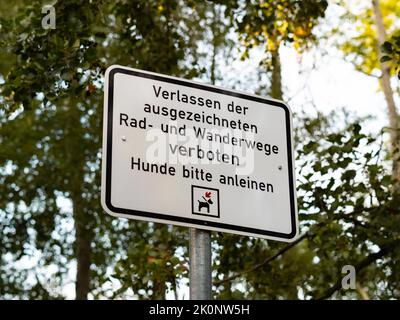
column 159, row 278
column 82, row 249
column 83, row 232
column 388, row 92
column 159, row 289
column 276, row 79
column 361, row 291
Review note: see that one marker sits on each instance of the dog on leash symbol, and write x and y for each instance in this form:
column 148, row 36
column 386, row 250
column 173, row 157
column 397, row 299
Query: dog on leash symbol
column 206, row 203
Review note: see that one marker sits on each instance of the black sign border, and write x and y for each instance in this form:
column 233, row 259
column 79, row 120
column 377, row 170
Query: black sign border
column 170, row 218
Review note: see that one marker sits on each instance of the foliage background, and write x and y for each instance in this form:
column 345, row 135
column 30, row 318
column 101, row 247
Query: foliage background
column 54, row 234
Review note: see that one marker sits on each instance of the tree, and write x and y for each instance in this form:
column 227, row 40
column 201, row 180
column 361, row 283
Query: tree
column 391, row 51
column 50, row 132
column 326, row 215
column 344, row 195
column 387, row 90
column 52, row 112
column 267, row 25
column 270, row 24
column 370, row 27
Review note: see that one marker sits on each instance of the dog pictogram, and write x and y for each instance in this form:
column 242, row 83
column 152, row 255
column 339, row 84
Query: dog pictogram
column 206, row 203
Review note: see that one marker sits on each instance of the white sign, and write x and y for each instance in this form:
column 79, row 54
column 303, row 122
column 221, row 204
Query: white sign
column 184, row 153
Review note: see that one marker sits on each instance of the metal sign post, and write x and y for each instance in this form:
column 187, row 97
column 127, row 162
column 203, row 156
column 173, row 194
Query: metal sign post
column 200, row 264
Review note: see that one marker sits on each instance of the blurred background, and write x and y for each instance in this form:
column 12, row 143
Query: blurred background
column 336, row 63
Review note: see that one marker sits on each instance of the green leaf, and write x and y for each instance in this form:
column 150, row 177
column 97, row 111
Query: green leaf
column 385, row 59
column 387, row 47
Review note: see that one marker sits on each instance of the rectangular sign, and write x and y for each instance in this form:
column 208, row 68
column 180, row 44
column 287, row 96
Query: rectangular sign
column 184, row 153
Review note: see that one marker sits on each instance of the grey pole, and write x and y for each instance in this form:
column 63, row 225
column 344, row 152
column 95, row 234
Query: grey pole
column 200, row 264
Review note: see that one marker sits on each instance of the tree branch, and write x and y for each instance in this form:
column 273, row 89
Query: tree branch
column 360, row 266
column 267, row 260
